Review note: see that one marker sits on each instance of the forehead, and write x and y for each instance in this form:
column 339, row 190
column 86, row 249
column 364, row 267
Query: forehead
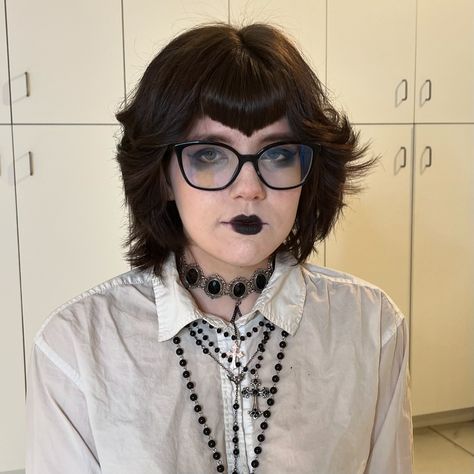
column 206, row 128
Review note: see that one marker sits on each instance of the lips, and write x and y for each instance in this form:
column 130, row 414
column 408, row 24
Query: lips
column 247, row 225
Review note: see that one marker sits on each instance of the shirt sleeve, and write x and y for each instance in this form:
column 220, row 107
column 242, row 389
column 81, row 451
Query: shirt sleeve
column 392, row 436
column 59, row 438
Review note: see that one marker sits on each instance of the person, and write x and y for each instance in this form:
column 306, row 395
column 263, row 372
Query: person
column 223, row 349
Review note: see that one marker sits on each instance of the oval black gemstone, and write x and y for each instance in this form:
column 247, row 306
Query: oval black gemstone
column 182, row 362
column 278, row 367
column 205, row 350
column 284, row 334
column 236, row 452
column 280, row 355
column 190, row 385
column 235, row 439
column 235, row 428
column 238, row 289
column 260, row 281
column 257, row 450
column 179, row 351
column 211, row 443
column 201, row 420
column 263, row 425
column 266, row 413
column 220, row 468
column 273, row 390
column 216, row 455
column 255, row 463
column 282, row 344
column 276, row 379
column 270, row 402
column 186, row 374
column 176, row 340
column 192, row 276
column 206, row 431
column 214, row 287
column 193, row 397
column 197, row 408
column 235, row 406
column 261, row 438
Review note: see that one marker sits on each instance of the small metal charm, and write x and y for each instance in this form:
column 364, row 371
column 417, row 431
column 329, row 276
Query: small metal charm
column 255, row 392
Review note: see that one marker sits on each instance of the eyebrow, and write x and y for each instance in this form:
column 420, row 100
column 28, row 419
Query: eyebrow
column 267, row 139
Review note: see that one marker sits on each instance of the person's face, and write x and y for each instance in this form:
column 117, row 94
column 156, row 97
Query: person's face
column 218, row 241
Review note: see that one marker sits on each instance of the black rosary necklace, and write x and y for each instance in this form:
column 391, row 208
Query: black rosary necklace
column 235, row 372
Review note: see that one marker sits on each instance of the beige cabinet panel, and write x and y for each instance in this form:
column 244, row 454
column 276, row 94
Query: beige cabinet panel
column 445, row 61
column 149, row 25
column 72, row 53
column 12, row 413
column 71, row 219
column 4, row 89
column 302, row 20
column 443, row 269
column 371, row 57
column 372, row 239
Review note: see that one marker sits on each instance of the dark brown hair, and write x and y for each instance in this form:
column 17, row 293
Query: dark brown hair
column 245, row 78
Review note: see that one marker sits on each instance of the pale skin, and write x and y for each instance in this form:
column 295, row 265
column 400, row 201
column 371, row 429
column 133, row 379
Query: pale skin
column 213, row 243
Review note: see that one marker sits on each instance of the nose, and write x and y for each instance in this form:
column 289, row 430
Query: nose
column 248, row 185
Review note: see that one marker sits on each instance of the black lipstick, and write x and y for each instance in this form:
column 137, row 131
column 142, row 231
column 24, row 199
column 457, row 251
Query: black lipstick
column 247, row 225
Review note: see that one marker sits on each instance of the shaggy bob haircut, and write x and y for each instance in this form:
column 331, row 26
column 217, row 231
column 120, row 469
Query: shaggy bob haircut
column 245, row 78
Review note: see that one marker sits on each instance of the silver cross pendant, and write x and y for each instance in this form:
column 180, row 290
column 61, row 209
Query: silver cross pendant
column 255, row 391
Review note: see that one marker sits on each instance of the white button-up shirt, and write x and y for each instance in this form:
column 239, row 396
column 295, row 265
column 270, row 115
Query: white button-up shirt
column 106, row 393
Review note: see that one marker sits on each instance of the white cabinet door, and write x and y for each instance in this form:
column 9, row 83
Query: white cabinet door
column 71, row 220
column 445, row 61
column 302, row 20
column 149, row 25
column 69, row 54
column 12, row 413
column 443, row 269
column 372, row 239
column 371, row 56
column 4, row 89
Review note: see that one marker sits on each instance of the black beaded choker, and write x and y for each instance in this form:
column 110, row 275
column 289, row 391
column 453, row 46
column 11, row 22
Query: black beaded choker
column 192, row 276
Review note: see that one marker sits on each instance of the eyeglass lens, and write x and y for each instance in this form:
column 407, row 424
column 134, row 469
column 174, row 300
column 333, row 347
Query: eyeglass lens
column 210, row 166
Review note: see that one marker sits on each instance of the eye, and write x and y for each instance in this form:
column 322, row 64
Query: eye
column 280, row 154
column 207, row 155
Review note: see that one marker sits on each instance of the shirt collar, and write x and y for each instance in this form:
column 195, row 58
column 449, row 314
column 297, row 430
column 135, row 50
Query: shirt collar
column 281, row 302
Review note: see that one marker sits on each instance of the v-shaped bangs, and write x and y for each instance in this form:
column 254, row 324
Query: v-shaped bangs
column 244, row 94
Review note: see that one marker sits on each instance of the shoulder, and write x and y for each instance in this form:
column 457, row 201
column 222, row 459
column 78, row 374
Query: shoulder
column 111, row 306
column 355, row 295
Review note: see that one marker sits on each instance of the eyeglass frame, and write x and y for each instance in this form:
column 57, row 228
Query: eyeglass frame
column 243, row 158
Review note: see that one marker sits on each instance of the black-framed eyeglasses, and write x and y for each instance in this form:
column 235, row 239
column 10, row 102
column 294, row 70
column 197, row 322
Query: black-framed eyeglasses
column 212, row 166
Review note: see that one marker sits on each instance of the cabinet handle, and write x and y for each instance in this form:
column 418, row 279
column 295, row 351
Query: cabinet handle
column 430, row 152
column 405, row 97
column 30, row 159
column 428, row 81
column 404, row 157
column 27, row 82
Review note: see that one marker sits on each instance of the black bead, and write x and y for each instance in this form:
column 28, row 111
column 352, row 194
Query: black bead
column 201, row 420
column 179, row 351
column 255, row 329
column 192, row 276
column 249, row 334
column 198, row 342
column 223, row 355
column 282, row 344
column 211, row 443
column 216, row 455
column 273, row 390
column 258, row 366
column 195, row 324
column 257, row 450
column 217, row 349
column 254, row 463
column 263, row 425
column 261, row 323
column 235, row 439
column 260, row 357
column 182, row 362
column 190, row 385
column 214, row 287
column 176, row 340
column 275, row 378
column 236, row 452
column 220, row 468
column 235, row 406
column 278, row 367
column 284, row 334
column 253, row 371
column 235, row 428
column 261, row 347
column 229, row 359
column 242, row 338
column 238, row 289
column 207, row 431
column 197, row 408
column 205, row 350
column 193, row 333
column 238, row 364
column 266, row 413
column 261, row 438
column 270, row 402
column 205, row 337
column 200, row 331
column 193, row 397
column 280, row 356
column 260, row 281
column 245, row 369
column 226, row 334
column 233, row 337
column 186, row 374
column 211, row 343
column 219, row 330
